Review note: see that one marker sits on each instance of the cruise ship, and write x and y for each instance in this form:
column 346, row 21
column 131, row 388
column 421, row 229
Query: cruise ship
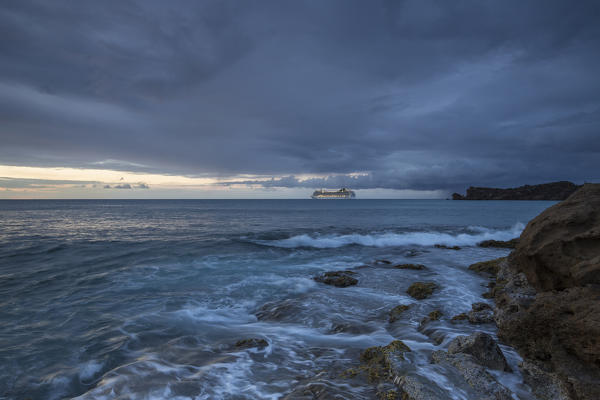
column 343, row 193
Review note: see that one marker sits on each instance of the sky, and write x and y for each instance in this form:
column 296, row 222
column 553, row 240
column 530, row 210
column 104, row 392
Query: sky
column 273, row 99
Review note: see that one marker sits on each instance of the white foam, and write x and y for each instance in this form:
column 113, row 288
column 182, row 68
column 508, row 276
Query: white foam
column 89, row 369
column 388, row 239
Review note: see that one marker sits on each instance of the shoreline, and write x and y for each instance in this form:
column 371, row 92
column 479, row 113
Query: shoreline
column 478, row 358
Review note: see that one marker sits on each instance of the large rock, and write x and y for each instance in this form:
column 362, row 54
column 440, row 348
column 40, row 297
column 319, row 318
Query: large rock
column 418, row 388
column 396, row 312
column 546, row 191
column 501, row 244
column 544, row 385
column 475, row 375
column 337, row 278
column 490, row 267
column 548, row 300
column 560, row 248
column 421, row 290
column 481, row 313
column 381, row 362
column 482, row 347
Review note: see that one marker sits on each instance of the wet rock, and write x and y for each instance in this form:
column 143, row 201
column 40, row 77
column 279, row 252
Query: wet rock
column 491, row 266
column 250, row 343
column 352, row 328
column 388, row 394
column 279, row 311
column 413, row 388
column 410, row 266
column 412, row 253
column 482, row 347
column 379, row 262
column 501, row 244
column 396, row 312
column 558, row 330
column 318, row 387
column 481, row 313
column 433, row 316
column 544, row 385
column 476, row 375
column 378, row 362
column 480, row 306
column 560, row 248
column 481, row 317
column 459, row 317
column 443, row 246
column 337, row 278
column 421, row 290
column 549, row 307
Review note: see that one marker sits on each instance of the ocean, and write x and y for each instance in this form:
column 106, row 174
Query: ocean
column 146, row 299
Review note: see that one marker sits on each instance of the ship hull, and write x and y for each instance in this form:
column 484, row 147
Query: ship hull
column 342, row 194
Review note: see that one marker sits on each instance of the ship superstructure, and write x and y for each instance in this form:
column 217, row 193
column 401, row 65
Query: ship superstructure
column 343, row 193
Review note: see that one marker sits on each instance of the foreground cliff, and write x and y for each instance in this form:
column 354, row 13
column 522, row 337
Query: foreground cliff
column 547, row 191
column 548, row 298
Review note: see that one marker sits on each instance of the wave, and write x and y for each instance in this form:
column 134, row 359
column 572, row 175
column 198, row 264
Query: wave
column 473, row 236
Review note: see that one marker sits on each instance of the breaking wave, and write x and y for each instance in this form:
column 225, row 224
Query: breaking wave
column 473, row 236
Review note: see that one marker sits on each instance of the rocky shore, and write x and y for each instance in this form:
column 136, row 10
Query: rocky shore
column 547, row 296
column 546, row 307
column 546, row 191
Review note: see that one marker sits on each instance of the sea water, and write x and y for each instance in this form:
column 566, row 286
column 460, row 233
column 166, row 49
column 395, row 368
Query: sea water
column 146, row 299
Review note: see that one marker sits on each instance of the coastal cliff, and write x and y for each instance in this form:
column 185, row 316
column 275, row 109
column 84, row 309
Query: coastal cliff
column 548, row 298
column 546, row 191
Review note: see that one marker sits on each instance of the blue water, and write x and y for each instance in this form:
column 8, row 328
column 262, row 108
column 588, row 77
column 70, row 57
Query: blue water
column 146, row 299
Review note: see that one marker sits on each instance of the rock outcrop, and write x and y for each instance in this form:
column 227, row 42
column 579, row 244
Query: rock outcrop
column 500, row 244
column 546, row 191
column 548, row 298
column 396, row 312
column 560, row 248
column 481, row 346
column 410, row 266
column 471, row 356
column 337, row 278
column 421, row 290
column 489, row 267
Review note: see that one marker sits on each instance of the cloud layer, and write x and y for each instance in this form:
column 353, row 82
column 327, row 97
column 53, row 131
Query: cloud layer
column 412, row 94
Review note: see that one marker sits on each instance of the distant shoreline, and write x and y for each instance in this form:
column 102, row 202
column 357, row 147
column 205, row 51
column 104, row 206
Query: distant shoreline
column 556, row 191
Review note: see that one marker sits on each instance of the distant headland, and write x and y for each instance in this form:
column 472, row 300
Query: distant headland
column 546, row 191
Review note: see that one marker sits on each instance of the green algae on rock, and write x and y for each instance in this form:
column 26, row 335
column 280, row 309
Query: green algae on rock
column 337, row 278
column 377, row 361
column 396, row 312
column 433, row 316
column 410, row 266
column 490, row 266
column 391, row 394
column 459, row 317
column 421, row 290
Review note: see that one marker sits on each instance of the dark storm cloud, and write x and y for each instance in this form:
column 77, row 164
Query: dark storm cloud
column 419, row 94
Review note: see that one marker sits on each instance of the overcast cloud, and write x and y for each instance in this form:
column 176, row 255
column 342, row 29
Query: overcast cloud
column 411, row 94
